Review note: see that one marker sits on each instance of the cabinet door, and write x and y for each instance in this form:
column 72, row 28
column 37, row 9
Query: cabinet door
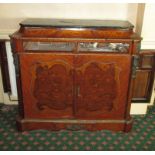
column 47, row 85
column 143, row 83
column 102, row 82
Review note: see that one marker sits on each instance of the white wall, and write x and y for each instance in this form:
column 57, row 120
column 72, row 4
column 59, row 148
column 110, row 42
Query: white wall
column 12, row 14
column 148, row 28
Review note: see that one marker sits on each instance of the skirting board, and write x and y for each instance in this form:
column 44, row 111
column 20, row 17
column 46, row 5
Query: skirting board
column 138, row 108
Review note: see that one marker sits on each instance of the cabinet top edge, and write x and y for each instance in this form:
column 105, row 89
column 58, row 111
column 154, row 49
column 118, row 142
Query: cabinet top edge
column 76, row 23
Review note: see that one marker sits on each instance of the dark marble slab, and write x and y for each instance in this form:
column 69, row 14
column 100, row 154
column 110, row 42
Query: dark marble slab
column 76, row 23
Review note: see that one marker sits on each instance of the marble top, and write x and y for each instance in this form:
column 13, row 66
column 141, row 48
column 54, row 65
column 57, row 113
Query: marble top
column 76, row 23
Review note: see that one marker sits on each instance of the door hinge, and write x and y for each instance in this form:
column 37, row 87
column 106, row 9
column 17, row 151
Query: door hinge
column 135, row 65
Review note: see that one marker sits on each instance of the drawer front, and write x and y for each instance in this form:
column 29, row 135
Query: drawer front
column 104, row 47
column 37, row 46
column 47, row 85
column 71, row 46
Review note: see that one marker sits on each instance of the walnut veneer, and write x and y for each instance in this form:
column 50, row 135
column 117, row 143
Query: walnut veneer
column 75, row 74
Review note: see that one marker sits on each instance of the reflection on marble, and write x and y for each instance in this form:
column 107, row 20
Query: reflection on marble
column 104, row 47
column 48, row 46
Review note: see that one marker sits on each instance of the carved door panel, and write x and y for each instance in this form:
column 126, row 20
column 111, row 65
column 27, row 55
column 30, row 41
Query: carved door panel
column 102, row 85
column 47, row 85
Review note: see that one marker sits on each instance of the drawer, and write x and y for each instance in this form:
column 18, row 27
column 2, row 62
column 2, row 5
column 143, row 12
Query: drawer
column 29, row 46
column 102, row 47
column 81, row 47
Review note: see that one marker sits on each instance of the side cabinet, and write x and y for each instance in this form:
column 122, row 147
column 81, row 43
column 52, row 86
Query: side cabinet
column 143, row 82
column 75, row 74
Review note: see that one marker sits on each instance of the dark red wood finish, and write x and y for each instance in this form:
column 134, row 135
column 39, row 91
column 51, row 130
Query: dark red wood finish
column 143, row 83
column 47, row 85
column 102, row 85
column 74, row 89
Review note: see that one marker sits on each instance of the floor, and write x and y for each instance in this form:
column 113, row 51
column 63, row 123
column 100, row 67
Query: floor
column 142, row 136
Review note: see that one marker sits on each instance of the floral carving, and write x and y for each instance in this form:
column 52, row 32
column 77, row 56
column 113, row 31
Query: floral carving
column 98, row 86
column 52, row 87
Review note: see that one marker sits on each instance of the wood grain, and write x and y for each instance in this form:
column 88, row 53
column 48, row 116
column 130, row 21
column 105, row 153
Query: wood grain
column 74, row 85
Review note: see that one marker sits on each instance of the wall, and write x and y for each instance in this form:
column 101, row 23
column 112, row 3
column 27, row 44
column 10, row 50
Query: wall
column 148, row 28
column 140, row 17
column 12, row 14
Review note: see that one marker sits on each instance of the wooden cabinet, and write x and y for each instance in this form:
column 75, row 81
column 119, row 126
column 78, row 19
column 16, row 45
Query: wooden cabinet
column 143, row 82
column 74, row 74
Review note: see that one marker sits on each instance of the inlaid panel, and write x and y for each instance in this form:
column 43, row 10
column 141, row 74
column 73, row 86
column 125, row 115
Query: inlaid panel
column 100, row 81
column 52, row 86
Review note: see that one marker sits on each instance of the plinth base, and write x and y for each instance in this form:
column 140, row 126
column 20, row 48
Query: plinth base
column 72, row 124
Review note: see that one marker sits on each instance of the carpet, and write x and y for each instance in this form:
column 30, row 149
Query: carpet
column 142, row 136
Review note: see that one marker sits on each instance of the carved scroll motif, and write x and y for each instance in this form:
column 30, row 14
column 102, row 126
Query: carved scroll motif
column 98, row 86
column 53, row 86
